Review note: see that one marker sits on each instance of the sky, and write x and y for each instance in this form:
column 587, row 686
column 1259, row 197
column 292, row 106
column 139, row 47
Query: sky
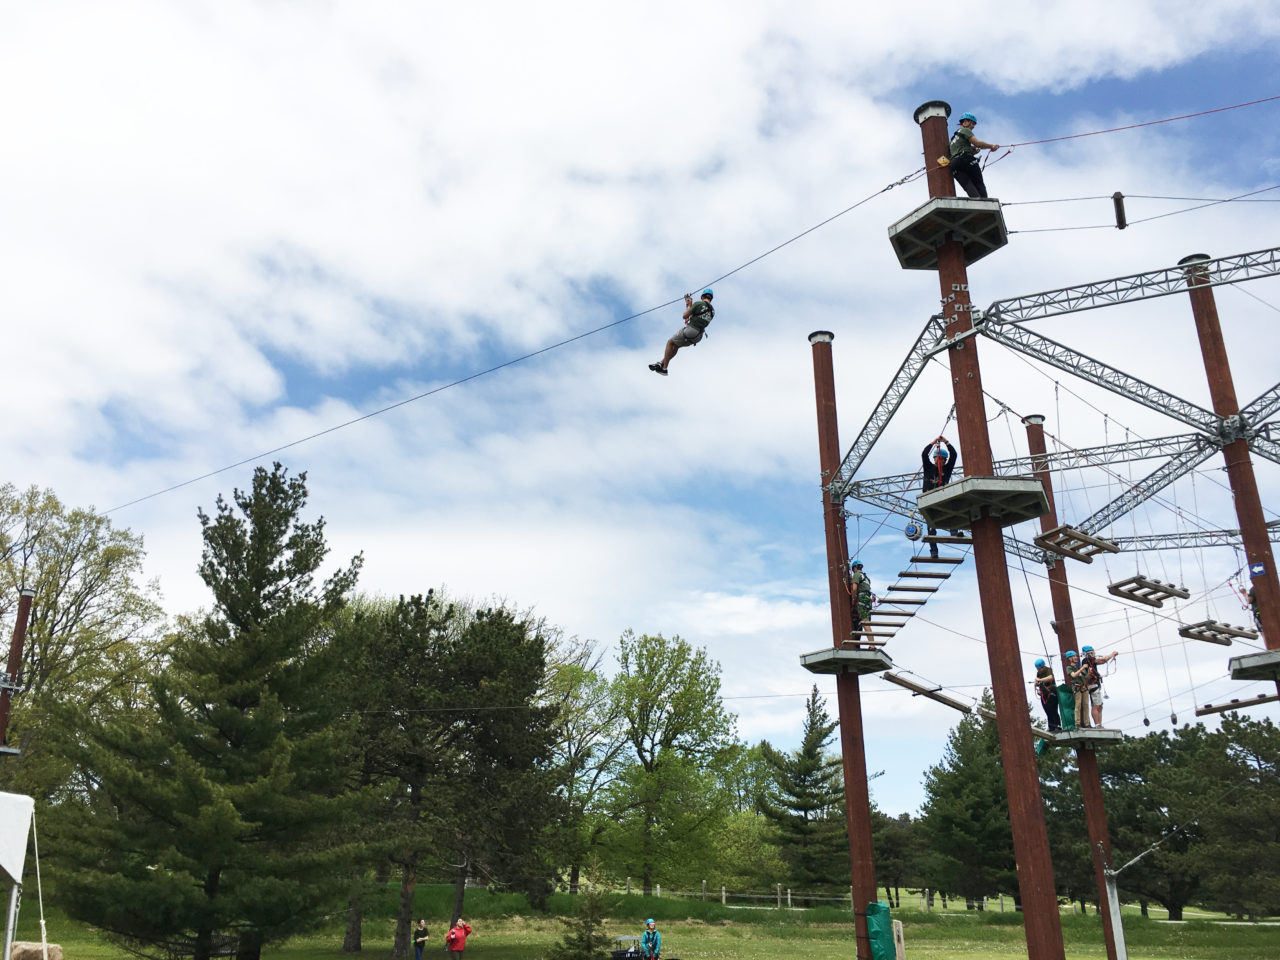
column 225, row 227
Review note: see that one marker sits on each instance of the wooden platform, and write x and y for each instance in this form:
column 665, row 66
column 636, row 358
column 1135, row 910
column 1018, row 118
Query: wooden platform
column 1068, row 542
column 837, row 660
column 1263, row 665
column 1211, row 631
column 1009, row 499
column 976, row 222
column 1144, row 590
column 1086, row 737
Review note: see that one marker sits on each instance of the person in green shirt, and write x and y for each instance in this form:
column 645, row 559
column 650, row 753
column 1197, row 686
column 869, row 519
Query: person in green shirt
column 697, row 314
column 1047, row 691
column 860, row 586
column 964, row 157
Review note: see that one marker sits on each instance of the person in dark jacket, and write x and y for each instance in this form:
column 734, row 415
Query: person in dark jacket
column 937, row 460
column 419, row 939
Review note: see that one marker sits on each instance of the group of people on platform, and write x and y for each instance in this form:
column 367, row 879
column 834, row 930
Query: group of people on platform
column 1081, row 694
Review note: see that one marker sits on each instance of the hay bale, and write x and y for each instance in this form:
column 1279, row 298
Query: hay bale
column 25, row 950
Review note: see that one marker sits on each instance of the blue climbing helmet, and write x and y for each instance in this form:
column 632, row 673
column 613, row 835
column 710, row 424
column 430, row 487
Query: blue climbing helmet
column 1069, row 654
column 856, row 563
column 1039, row 664
column 968, row 116
column 707, row 293
column 649, row 921
column 1086, row 649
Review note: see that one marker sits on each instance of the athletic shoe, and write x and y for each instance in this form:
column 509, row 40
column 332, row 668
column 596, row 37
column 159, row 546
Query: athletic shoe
column 658, row 368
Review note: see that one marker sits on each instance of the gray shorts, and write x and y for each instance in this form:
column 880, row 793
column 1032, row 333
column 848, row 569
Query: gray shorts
column 687, row 336
column 1095, row 696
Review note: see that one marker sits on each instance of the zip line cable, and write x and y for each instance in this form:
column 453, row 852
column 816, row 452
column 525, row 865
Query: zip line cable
column 1147, row 123
column 635, row 316
column 1159, row 216
column 508, row 363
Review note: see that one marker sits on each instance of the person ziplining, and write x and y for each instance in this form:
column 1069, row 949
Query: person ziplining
column 697, row 314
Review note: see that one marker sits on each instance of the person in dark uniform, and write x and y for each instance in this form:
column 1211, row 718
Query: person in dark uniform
column 964, row 157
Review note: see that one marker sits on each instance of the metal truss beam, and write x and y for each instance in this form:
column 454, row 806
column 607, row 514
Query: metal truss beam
column 902, row 382
column 1265, row 447
column 1190, row 539
column 1137, row 286
column 1100, row 374
column 1197, row 452
column 1124, row 452
column 1263, row 407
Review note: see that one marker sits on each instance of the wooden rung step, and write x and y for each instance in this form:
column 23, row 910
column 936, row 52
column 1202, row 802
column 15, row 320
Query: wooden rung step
column 938, row 538
column 1144, row 590
column 904, row 601
column 1212, row 631
column 868, row 633
column 913, row 589
column 928, row 559
column 891, row 612
column 891, row 624
column 1069, row 542
column 923, row 574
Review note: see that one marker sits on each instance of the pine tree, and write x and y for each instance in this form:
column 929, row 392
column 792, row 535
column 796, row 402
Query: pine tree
column 214, row 819
column 807, row 803
column 584, row 938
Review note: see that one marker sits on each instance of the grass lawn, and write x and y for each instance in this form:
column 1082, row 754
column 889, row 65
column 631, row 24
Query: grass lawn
column 764, row 935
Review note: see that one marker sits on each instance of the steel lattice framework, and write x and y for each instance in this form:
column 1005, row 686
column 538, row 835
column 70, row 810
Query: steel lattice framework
column 1000, row 322
column 1191, row 539
column 1137, row 286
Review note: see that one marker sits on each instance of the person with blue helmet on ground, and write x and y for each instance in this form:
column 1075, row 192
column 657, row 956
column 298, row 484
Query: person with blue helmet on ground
column 1047, row 691
column 964, row 157
column 651, row 941
column 1093, row 679
column 696, row 317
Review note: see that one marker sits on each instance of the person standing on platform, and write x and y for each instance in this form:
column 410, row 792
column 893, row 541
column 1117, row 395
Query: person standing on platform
column 1047, row 691
column 860, row 587
column 1093, row 679
column 1074, row 671
column 937, row 461
column 964, row 157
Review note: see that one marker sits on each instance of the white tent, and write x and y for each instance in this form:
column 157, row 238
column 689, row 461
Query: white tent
column 15, row 824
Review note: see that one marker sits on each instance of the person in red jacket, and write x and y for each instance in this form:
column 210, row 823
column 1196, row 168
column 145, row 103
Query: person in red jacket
column 455, row 941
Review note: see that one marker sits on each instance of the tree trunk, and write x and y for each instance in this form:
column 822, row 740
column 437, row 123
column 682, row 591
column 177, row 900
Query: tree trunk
column 352, row 941
column 944, row 899
column 929, row 899
column 404, row 912
column 1143, row 905
column 1175, row 911
column 249, row 946
column 968, row 903
column 459, row 892
column 574, row 872
column 897, row 897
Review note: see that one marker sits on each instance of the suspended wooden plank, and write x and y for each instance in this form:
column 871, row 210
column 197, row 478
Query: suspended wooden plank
column 924, row 575
column 940, row 538
column 1212, row 631
column 1144, row 590
column 928, row 559
column 1066, row 541
column 933, row 693
column 926, row 589
column 1209, row 708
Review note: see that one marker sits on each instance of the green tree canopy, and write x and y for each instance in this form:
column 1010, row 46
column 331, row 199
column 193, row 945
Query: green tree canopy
column 806, row 804
column 671, row 795
column 214, row 813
